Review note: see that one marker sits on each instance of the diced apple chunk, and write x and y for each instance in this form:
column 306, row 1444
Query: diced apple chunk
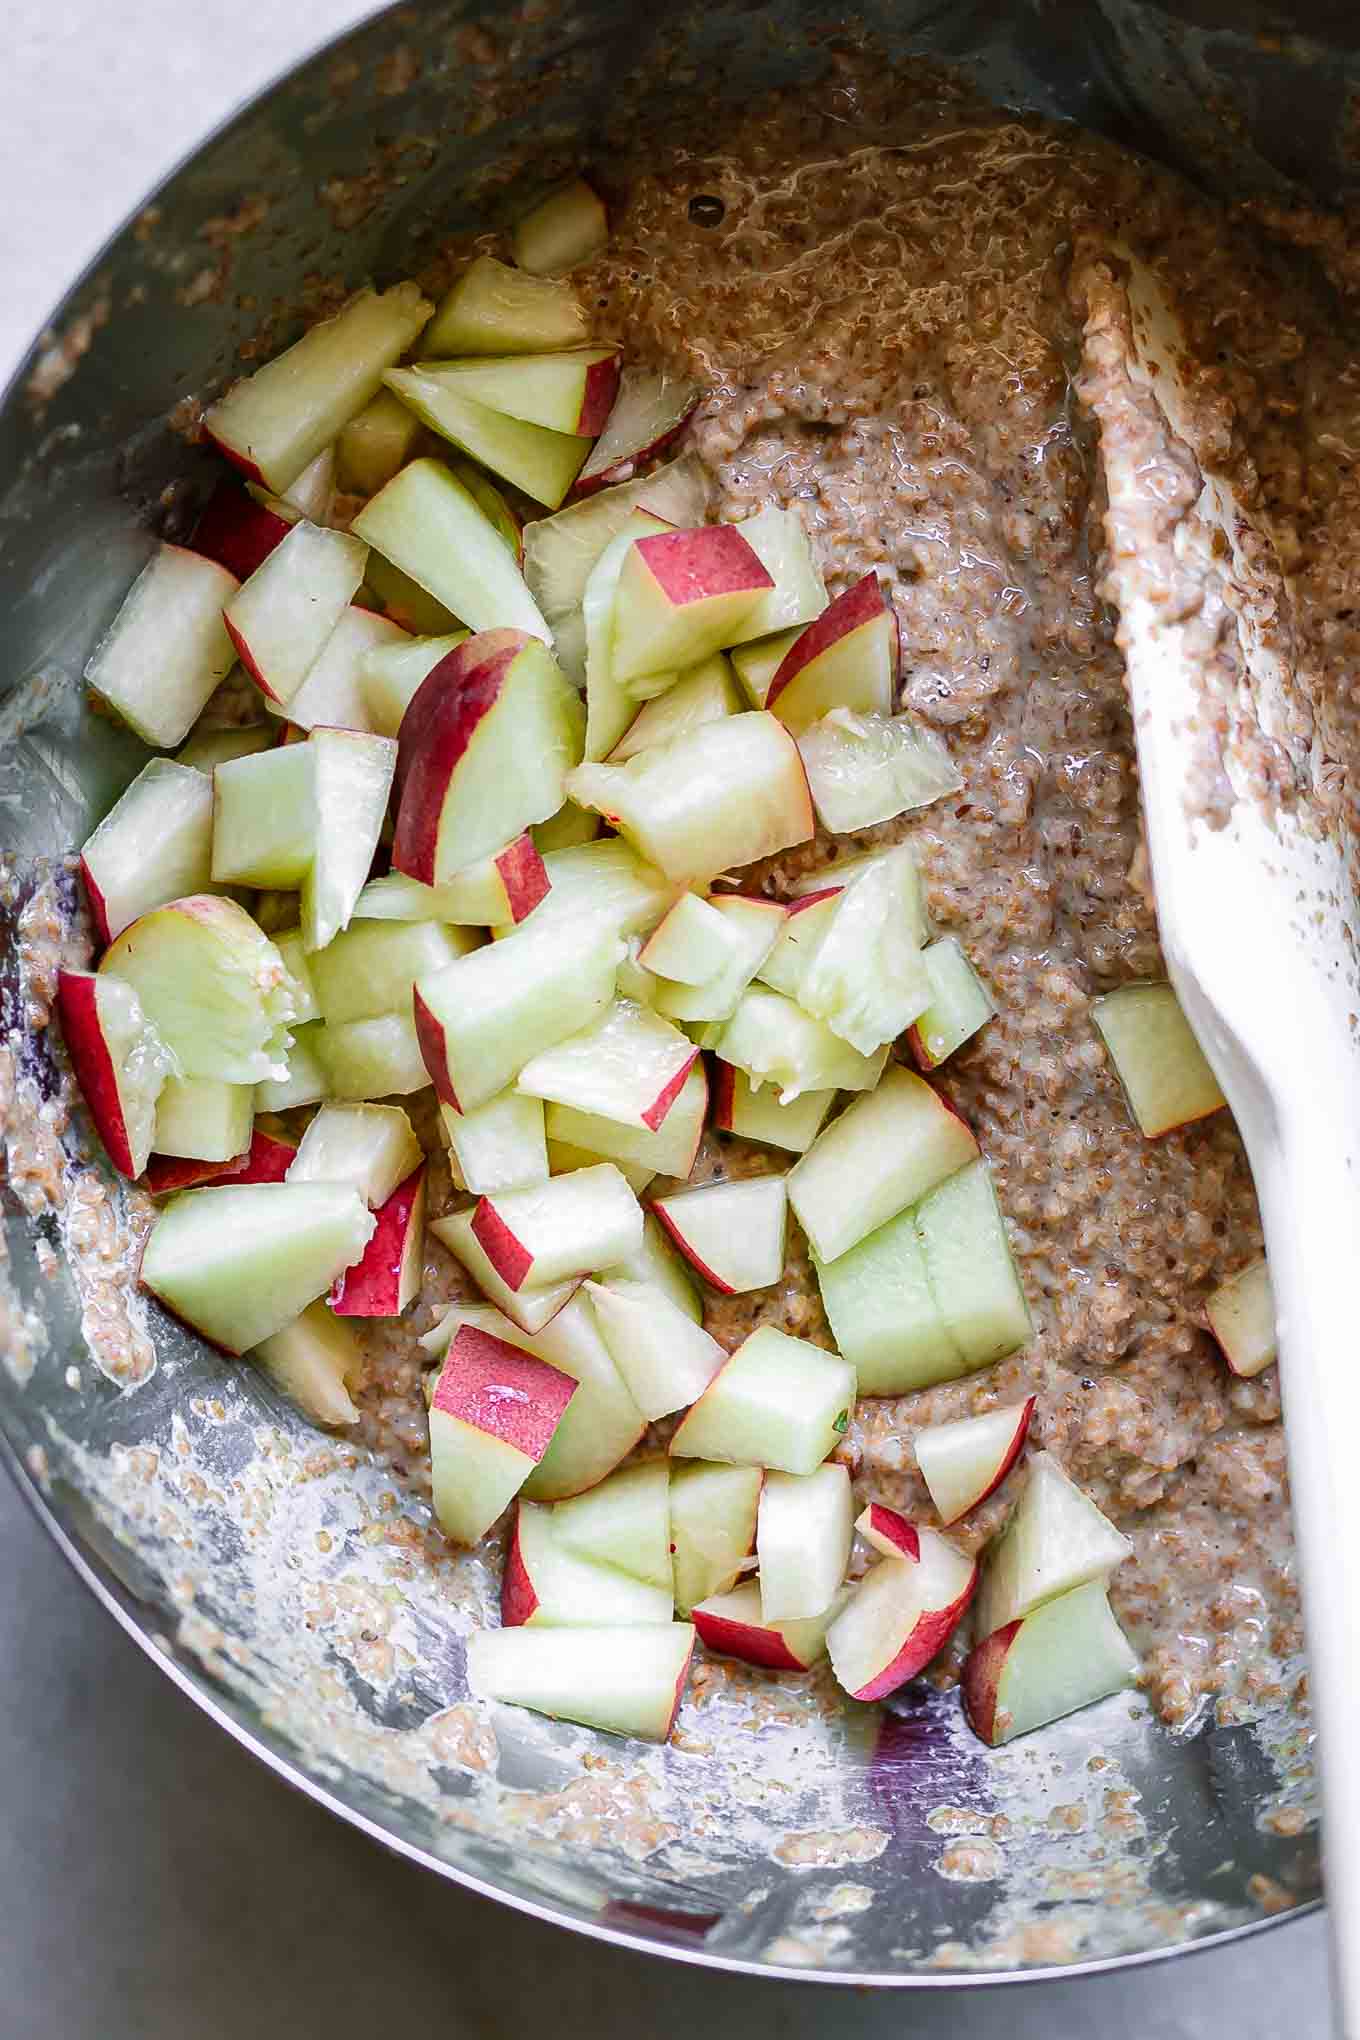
column 570, row 827
column 492, row 1418
column 1056, row 1539
column 753, row 927
column 543, row 464
column 680, row 595
column 1166, row 1077
column 865, row 769
column 377, row 1058
column 1065, row 1655
column 500, row 1146
column 729, row 793
column 1241, row 1314
column 964, row 1462
column 280, row 619
column 372, row 967
column 376, row 443
column 847, row 869
column 387, row 1275
column 316, row 1361
column 959, row 1005
column 493, row 309
column 779, row 1402
column 570, row 390
column 167, row 650
column 629, row 1065
column 713, row 1527
column 240, row 1261
column 603, row 880
column 335, row 694
column 120, row 1062
column 304, row 1081
column 390, row 675
column 866, row 978
column 692, row 943
column 657, row 1265
column 624, row 1522
column 847, row 658
column 430, row 526
column 563, row 230
column 547, row 1231
column 353, row 777
column 650, row 412
column 530, row 1309
column 154, row 846
column 203, row 1119
column 883, row 1315
column 775, row 1042
column 628, row 1681
column 899, row 1617
column 887, row 1149
column 264, row 818
column 665, row 1359
column 780, row 542
column 669, row 1150
column 237, row 531
column 753, row 1112
column 610, row 707
column 370, row 1147
column 969, row 1266
column 803, row 1539
column 211, row 745
column 549, row 1583
column 211, row 985
column 731, row 1625
column 704, row 694
column 732, row 1232
column 500, row 890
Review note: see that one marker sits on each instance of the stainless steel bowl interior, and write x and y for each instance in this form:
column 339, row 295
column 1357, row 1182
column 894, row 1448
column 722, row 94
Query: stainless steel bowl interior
column 194, row 1503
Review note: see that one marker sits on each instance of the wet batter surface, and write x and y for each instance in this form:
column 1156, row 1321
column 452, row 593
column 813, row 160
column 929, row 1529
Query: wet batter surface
column 874, row 290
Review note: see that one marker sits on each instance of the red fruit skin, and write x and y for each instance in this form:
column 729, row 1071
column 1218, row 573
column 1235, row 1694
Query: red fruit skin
column 661, row 1105
column 851, row 611
column 621, row 470
column 434, row 1051
column 713, row 1281
column 896, row 1529
column 440, row 722
column 921, row 1056
column 524, row 876
column 238, row 532
column 238, row 459
column 78, row 1008
column 597, row 398
column 680, row 1687
column 981, row 1679
column 519, row 1600
column 689, row 566
column 1017, row 1446
column 928, row 1637
column 724, row 1087
column 266, row 1160
column 243, row 653
column 383, row 1280
column 99, row 912
column 494, row 1387
column 765, row 1647
column 511, row 1261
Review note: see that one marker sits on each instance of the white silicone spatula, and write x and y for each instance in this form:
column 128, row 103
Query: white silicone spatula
column 1259, row 926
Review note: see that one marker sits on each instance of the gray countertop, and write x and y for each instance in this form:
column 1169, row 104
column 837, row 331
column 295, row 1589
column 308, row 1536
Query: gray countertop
column 154, row 1881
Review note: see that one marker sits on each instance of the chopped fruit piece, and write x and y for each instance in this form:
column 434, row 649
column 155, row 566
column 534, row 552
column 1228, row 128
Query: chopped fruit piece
column 624, row 1522
column 885, row 1152
column 713, row 1527
column 208, row 748
column 167, row 649
column 888, row 1532
column 211, row 985
column 492, row 1417
column 501, row 890
column 866, row 978
column 705, row 694
column 483, row 1017
column 501, row 1145
column 754, row 926
column 493, row 309
column 847, row 658
column 564, row 229
column 560, row 551
column 969, row 1266
column 549, row 1584
column 753, row 1112
column 650, row 412
column 316, row 1361
column 778, row 539
column 376, row 443
column 664, row 1357
column 335, row 693
column 237, row 532
column 240, row 1261
column 628, row 1681
column 266, row 1160
column 1241, row 1314
column 401, row 599
column 692, row 943
column 566, row 1226
column 883, row 1316
column 603, row 881
column 530, row 1309
column 610, row 707
column 803, row 1540
column 729, row 793
column 431, row 527
column 304, row 1081
column 275, row 422
column 264, row 818
column 799, row 939
column 564, row 1158
column 632, row 980
column 486, row 745
column 733, row 1233
column 731, row 1625
column 1156, row 1057
column 269, row 1159
column 377, row 1058
column 387, row 1276
column 543, row 464
column 959, row 1005
column 119, row 1061
column 964, row 1462
column 1067, row 1654
column 1056, row 1539
column 657, row 1264
column 779, row 1402
column 202, row 1119
column 371, row 968
column 353, row 778
column 899, row 1617
column 601, row 1423
column 756, row 664
column 280, row 619
column 154, row 846
column 669, row 1150
column 571, row 390
column 629, row 1065
column 312, row 495
column 777, row 1043
column 681, row 595
column 370, row 1147
column 847, row 869
column 570, row 827
column 391, row 673
column 865, row 769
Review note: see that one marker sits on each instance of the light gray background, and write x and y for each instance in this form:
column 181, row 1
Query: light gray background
column 155, row 1883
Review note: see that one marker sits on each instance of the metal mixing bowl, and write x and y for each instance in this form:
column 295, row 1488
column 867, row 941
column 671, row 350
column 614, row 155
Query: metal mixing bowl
column 195, row 1504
